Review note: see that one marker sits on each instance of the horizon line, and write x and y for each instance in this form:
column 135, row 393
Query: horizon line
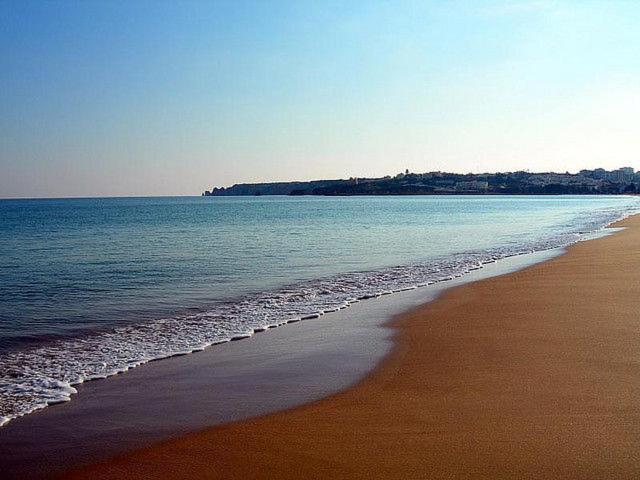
column 133, row 195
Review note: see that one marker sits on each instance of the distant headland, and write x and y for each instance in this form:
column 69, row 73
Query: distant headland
column 598, row 181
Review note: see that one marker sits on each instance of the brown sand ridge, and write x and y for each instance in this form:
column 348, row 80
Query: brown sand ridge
column 535, row 374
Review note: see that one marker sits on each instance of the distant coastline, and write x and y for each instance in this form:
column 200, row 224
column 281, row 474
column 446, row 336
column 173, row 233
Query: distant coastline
column 586, row 182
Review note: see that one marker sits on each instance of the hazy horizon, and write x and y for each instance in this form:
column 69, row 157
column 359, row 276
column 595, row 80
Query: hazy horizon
column 197, row 194
column 158, row 98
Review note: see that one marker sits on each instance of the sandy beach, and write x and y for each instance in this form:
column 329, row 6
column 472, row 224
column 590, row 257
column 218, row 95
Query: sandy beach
column 534, row 374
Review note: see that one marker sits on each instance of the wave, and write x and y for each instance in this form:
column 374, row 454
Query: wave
column 36, row 377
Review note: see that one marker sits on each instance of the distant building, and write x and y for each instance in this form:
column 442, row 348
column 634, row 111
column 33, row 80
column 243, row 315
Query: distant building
column 472, row 186
column 627, row 174
column 621, row 175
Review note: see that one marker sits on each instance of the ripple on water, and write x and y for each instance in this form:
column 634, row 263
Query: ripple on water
column 44, row 375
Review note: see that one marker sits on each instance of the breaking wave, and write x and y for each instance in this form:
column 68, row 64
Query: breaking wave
column 35, row 377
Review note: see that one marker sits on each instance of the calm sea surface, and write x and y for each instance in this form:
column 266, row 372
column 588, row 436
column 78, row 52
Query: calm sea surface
column 92, row 287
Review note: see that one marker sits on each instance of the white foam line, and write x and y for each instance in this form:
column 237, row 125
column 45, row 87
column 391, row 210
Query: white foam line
column 65, row 390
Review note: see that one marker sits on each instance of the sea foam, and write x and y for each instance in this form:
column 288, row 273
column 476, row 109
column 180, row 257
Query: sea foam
column 35, row 377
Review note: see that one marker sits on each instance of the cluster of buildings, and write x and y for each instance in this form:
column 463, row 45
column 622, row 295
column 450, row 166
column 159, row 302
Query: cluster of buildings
column 599, row 180
column 621, row 175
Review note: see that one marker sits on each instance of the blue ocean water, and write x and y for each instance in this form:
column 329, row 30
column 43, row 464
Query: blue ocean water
column 93, row 287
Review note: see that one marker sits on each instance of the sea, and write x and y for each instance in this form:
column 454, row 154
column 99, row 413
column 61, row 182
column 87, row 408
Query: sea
column 93, row 287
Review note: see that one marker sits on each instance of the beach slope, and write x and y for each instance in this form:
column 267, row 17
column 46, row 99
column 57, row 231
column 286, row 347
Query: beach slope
column 535, row 374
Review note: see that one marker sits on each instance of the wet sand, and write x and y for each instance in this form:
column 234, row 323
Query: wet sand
column 272, row 371
column 535, row 374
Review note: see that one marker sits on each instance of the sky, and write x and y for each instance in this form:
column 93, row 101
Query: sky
column 118, row 98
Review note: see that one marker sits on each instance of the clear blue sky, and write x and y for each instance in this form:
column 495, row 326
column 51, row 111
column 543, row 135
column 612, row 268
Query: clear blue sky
column 153, row 98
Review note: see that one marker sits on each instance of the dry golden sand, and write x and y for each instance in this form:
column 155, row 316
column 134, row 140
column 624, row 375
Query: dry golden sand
column 534, row 374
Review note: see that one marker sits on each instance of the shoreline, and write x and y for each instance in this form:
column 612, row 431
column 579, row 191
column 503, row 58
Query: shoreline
column 289, row 367
column 532, row 373
column 47, row 377
column 66, row 390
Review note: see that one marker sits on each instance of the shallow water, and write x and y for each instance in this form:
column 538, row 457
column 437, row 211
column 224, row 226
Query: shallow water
column 272, row 371
column 92, row 287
